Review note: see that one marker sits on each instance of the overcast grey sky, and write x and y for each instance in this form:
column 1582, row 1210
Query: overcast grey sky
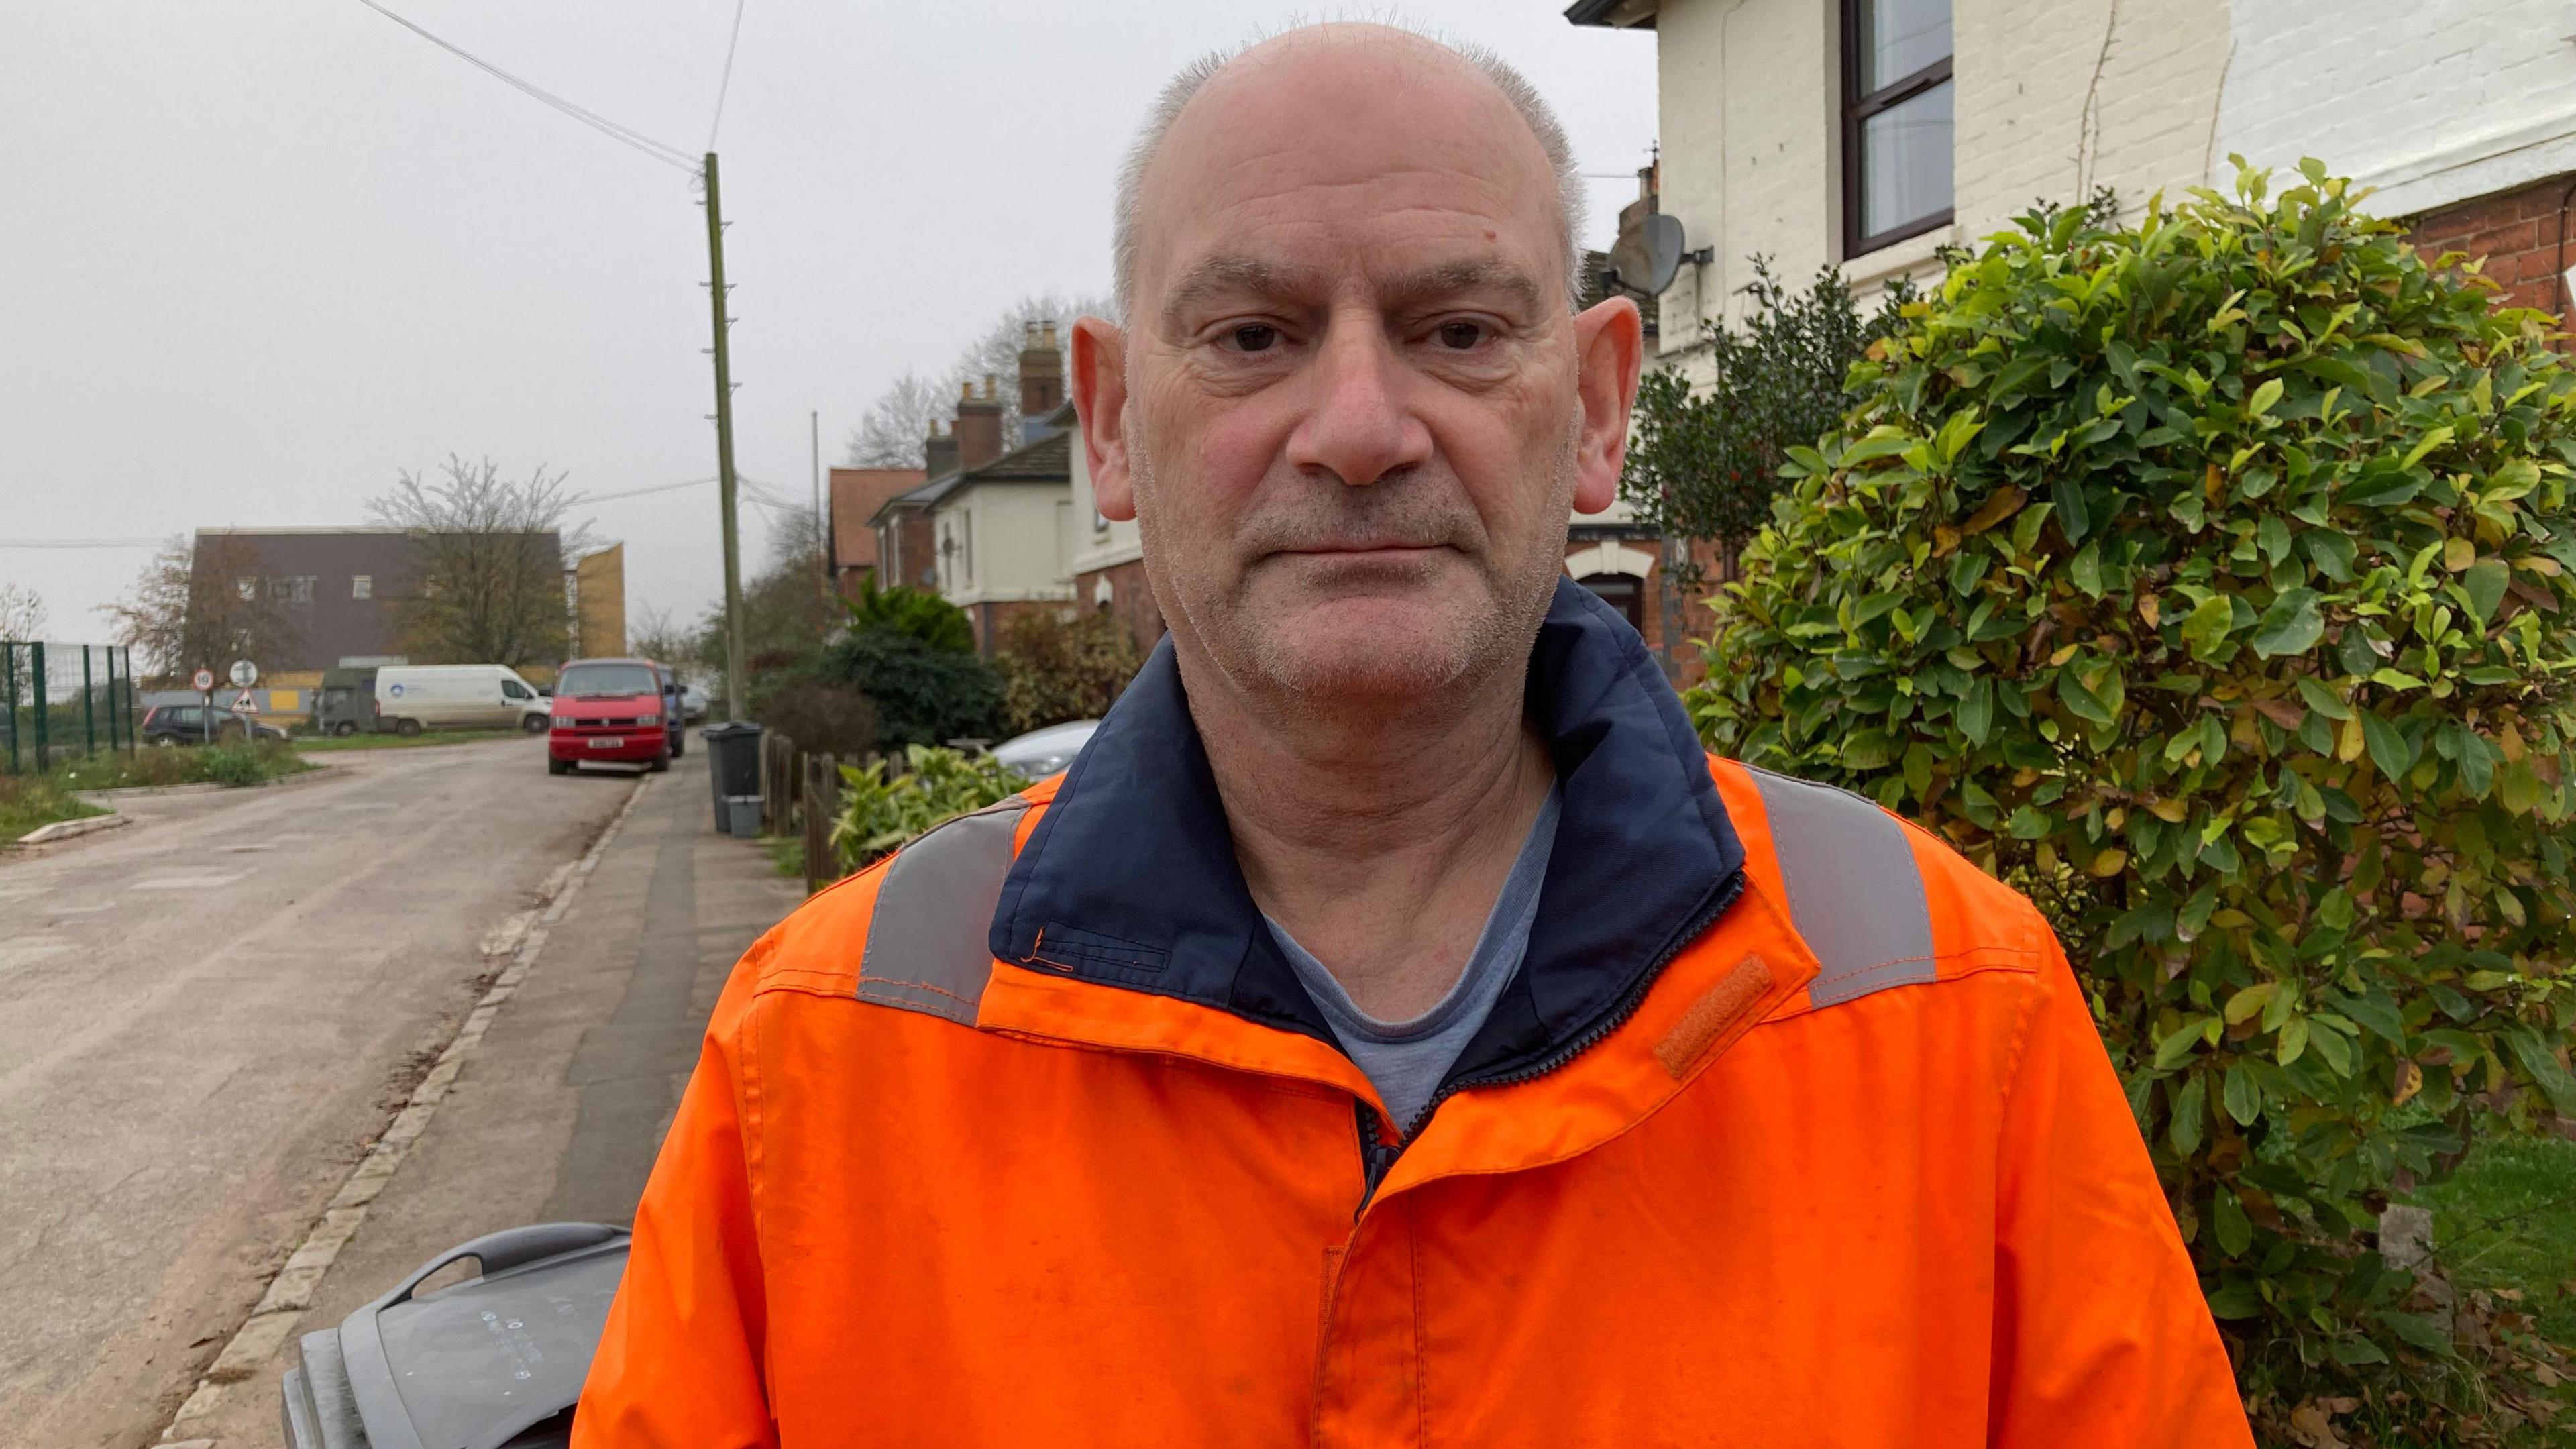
column 258, row 255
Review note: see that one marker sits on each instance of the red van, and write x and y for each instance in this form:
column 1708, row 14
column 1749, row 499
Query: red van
column 611, row 710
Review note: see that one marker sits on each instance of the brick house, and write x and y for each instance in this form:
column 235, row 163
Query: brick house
column 991, row 530
column 1866, row 134
column 855, row 544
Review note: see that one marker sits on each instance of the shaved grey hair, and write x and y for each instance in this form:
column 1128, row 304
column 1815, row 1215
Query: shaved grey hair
column 1185, row 86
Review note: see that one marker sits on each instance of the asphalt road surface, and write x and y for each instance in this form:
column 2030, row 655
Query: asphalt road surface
column 204, row 1018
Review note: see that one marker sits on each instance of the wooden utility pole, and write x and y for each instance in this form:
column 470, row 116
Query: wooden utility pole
column 822, row 526
column 736, row 704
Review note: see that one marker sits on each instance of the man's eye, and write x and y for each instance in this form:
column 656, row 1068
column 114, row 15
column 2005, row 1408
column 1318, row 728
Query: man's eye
column 1254, row 337
column 1461, row 336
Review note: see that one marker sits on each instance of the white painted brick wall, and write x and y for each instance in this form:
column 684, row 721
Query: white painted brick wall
column 2434, row 101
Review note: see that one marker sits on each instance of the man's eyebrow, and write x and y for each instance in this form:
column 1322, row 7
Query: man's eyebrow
column 1235, row 274
column 1466, row 274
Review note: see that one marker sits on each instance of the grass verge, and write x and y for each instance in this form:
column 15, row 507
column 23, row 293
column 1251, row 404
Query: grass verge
column 2506, row 1223
column 30, row 801
column 323, row 744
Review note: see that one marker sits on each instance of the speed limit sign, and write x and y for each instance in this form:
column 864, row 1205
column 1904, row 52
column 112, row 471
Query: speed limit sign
column 203, row 679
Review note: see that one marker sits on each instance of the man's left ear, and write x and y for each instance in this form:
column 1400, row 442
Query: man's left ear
column 1609, row 347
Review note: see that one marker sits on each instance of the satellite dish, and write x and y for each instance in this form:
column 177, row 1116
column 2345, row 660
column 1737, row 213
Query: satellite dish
column 1647, row 258
column 1663, row 249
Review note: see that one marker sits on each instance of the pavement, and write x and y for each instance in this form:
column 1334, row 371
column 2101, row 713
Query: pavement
column 205, row 1053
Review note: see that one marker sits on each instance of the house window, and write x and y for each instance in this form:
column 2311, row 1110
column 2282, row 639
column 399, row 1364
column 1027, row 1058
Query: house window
column 1896, row 120
column 247, row 588
column 291, row 589
column 362, row 586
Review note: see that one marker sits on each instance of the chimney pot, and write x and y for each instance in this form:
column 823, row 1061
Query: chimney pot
column 979, row 427
column 1041, row 373
column 988, row 387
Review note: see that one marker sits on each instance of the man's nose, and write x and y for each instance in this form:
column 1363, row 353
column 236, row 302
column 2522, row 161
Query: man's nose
column 1358, row 427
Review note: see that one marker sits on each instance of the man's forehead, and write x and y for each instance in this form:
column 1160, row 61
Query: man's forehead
column 1378, row 133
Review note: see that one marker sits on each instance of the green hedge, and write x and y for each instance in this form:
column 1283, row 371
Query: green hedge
column 2208, row 579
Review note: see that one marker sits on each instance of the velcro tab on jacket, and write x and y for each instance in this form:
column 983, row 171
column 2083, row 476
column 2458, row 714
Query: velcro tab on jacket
column 1718, row 1014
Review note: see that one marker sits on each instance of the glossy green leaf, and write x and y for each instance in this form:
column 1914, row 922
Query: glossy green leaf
column 2293, row 625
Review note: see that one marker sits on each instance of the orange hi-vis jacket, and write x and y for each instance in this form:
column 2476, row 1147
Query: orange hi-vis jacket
column 1792, row 1130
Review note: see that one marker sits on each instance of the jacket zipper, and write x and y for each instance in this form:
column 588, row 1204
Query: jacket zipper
column 1377, row 1159
column 1375, row 1156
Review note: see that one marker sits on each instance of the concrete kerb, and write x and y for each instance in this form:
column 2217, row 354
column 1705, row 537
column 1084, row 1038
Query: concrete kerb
column 71, row 829
column 290, row 1292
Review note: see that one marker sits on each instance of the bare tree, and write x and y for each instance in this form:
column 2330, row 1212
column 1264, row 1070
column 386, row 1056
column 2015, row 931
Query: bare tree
column 22, row 613
column 22, row 621
column 488, row 557
column 202, row 604
column 890, row 432
column 654, row 635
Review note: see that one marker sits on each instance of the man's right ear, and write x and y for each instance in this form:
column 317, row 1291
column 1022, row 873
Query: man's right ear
column 1100, row 401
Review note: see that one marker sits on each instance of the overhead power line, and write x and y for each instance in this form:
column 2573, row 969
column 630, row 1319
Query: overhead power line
column 580, row 499
column 668, row 155
column 726, row 84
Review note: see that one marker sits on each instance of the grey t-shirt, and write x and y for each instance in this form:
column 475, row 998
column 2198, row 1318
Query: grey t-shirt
column 1407, row 1059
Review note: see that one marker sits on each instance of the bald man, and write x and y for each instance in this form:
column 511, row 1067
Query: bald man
column 1393, row 1029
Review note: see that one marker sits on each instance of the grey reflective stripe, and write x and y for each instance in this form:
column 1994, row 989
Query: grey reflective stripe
column 1854, row 890
column 928, row 937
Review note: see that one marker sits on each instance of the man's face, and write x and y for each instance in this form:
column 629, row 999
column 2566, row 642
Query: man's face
column 1352, row 412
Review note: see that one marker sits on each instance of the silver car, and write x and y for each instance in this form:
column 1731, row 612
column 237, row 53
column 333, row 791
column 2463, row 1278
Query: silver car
column 1042, row 752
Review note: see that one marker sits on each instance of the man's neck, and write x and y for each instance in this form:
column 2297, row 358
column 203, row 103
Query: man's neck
column 1380, row 843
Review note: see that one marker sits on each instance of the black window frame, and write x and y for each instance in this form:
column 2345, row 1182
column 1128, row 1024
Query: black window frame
column 1859, row 108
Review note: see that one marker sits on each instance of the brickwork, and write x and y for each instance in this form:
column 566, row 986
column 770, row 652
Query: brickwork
column 1131, row 600
column 2521, row 234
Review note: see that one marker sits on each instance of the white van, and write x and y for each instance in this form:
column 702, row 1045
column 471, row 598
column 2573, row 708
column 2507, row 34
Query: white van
column 415, row 697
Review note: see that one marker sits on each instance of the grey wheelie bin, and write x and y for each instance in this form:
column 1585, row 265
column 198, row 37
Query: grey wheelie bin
column 494, row 1362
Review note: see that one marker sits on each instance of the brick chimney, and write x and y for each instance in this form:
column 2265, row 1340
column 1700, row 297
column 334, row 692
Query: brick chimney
column 1041, row 371
column 939, row 452
column 979, row 425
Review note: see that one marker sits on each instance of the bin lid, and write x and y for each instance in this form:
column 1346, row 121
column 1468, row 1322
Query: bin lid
column 472, row 1365
column 730, row 730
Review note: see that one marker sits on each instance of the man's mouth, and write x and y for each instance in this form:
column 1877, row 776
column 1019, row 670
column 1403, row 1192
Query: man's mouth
column 1374, row 550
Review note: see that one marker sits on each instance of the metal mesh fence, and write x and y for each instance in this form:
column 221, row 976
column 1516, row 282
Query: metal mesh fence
column 60, row 701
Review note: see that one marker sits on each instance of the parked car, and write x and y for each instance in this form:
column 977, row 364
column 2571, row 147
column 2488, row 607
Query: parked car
column 195, row 724
column 612, row 711
column 693, row 703
column 674, row 710
column 1042, row 752
column 414, row 697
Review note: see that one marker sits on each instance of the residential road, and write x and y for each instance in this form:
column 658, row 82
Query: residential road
column 207, row 1016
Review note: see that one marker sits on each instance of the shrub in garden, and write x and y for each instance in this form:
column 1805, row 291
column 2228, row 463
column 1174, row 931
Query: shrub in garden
column 1055, row 670
column 823, row 717
column 2209, row 581
column 880, row 811
column 917, row 612
column 923, row 695
column 1705, row 464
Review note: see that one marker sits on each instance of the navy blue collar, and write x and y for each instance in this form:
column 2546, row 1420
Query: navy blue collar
column 1130, row 877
